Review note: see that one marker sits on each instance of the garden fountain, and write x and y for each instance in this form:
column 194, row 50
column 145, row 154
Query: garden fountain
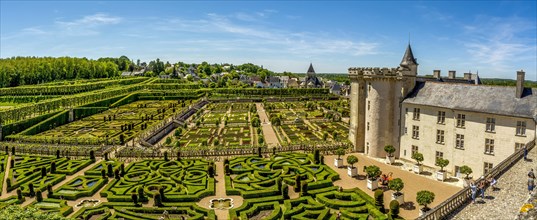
column 221, row 203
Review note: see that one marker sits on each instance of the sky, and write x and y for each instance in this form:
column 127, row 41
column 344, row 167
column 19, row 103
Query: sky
column 492, row 38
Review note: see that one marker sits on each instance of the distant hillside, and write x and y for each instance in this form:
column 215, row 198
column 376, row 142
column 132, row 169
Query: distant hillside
column 506, row 82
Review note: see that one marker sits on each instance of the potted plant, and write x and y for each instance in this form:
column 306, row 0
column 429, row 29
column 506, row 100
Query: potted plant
column 338, row 162
column 419, row 158
column 373, row 173
column 397, row 185
column 466, row 170
column 424, row 198
column 389, row 154
column 352, row 171
column 441, row 174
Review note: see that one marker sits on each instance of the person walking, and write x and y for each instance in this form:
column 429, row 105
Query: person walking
column 473, row 189
column 525, row 153
column 531, row 184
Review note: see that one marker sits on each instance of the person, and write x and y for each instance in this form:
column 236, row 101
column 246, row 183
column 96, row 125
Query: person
column 531, row 174
column 492, row 182
column 473, row 189
column 482, row 186
column 525, row 153
column 531, row 184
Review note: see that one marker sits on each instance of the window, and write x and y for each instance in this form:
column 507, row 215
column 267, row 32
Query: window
column 461, row 119
column 368, row 126
column 439, row 136
column 368, row 105
column 416, row 115
column 369, row 87
column 441, row 117
column 414, row 149
column 439, row 155
column 487, row 167
column 521, row 128
column 406, row 130
column 489, row 146
column 491, row 125
column 519, row 146
column 459, row 141
column 415, row 132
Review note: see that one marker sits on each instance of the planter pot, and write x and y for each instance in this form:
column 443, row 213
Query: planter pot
column 372, row 184
column 390, row 160
column 441, row 175
column 352, row 171
column 338, row 162
column 418, row 169
column 400, row 197
column 423, row 211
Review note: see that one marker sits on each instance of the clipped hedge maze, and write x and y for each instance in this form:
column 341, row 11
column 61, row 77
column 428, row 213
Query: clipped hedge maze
column 175, row 211
column 180, row 181
column 30, row 169
column 262, row 184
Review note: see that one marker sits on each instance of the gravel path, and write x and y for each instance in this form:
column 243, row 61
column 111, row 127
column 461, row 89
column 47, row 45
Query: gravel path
column 505, row 202
column 268, row 132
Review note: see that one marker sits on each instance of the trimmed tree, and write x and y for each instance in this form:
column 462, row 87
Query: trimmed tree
column 285, row 191
column 31, row 190
column 373, row 172
column 394, row 209
column 165, row 155
column 351, row 159
column 389, row 150
column 425, row 198
column 134, row 198
column 110, row 170
column 298, row 183
column 396, row 185
column 43, row 171
column 92, row 155
column 49, row 190
column 418, row 157
column 157, row 199
column 441, row 162
column 316, row 156
column 19, row 194
column 340, row 152
column 379, row 199
column 38, row 195
column 53, row 167
column 466, row 170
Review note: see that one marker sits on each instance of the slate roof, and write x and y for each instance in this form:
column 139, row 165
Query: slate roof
column 499, row 100
column 311, row 70
column 408, row 58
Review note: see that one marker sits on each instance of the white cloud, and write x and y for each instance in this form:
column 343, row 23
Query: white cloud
column 91, row 20
column 501, row 42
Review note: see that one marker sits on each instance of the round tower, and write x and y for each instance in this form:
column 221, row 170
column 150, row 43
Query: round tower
column 376, row 94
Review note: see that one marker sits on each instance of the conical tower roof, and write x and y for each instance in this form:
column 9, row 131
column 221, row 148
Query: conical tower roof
column 310, row 69
column 408, row 58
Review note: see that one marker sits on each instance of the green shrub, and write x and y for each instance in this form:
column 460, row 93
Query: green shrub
column 340, row 152
column 441, row 162
column 394, row 208
column 379, row 199
column 157, row 199
column 389, row 149
column 351, row 159
column 466, row 170
column 418, row 157
column 424, row 198
column 396, row 184
column 373, row 172
column 39, row 196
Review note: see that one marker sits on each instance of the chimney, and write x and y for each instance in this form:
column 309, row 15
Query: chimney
column 467, row 76
column 436, row 74
column 452, row 74
column 520, row 83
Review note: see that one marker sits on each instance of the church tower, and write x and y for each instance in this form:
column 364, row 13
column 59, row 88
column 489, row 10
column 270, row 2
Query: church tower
column 376, row 94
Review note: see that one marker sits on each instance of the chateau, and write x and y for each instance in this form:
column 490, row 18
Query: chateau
column 441, row 117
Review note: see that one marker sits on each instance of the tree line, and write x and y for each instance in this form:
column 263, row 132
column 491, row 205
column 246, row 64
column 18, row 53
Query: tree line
column 18, row 71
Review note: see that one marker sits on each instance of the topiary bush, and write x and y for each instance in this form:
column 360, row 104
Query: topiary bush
column 394, row 209
column 466, row 170
column 53, row 167
column 418, row 157
column 38, row 195
column 19, row 194
column 425, row 198
column 379, row 199
column 31, row 189
column 298, row 183
column 157, row 199
column 396, row 185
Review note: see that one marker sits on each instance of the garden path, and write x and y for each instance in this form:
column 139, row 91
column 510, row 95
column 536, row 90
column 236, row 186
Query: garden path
column 413, row 183
column 270, row 136
column 220, row 182
column 506, row 202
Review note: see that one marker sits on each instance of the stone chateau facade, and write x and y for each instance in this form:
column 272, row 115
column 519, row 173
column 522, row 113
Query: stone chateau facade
column 453, row 118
